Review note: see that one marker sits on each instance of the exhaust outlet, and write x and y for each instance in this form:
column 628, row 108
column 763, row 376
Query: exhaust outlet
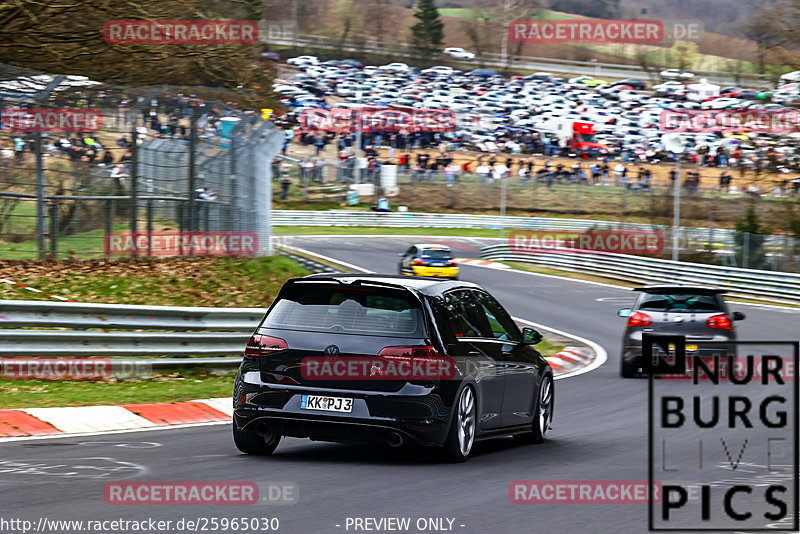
column 261, row 429
column 394, row 439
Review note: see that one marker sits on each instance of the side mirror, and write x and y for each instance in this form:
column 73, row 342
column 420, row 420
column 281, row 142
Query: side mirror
column 531, row 336
column 739, row 316
column 624, row 312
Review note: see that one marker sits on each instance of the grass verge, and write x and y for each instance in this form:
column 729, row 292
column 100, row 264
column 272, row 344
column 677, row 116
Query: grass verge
column 170, row 388
column 198, row 281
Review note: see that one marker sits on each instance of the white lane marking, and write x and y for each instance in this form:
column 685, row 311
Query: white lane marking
column 72, row 467
column 124, row 444
column 326, row 258
column 109, row 432
column 601, row 356
column 617, row 300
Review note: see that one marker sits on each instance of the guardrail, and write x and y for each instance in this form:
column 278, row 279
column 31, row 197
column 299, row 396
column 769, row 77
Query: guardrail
column 765, row 286
column 31, row 313
column 494, row 222
column 73, row 343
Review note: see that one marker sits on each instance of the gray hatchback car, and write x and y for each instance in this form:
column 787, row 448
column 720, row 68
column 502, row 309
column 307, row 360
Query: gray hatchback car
column 697, row 312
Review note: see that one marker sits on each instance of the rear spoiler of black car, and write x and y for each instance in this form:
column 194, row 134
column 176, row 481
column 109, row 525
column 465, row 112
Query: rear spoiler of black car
column 360, row 280
column 665, row 289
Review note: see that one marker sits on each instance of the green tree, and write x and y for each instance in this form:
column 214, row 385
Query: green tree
column 428, row 33
column 683, row 54
column 749, row 240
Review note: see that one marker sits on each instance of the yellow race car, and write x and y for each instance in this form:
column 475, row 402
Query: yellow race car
column 429, row 259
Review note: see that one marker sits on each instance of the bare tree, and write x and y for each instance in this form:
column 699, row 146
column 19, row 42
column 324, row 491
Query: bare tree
column 66, row 36
column 349, row 19
column 379, row 16
column 509, row 10
column 643, row 55
column 478, row 27
column 770, row 28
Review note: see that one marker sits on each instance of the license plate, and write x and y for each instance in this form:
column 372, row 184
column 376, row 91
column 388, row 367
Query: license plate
column 689, row 348
column 326, row 404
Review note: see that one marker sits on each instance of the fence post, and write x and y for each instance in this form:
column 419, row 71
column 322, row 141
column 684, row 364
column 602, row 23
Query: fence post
column 181, row 226
column 149, row 216
column 40, row 198
column 232, row 188
column 109, row 219
column 134, row 186
column 192, row 148
column 746, row 250
column 54, row 229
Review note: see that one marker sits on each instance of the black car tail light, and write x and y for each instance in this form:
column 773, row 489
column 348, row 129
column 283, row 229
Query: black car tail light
column 264, row 345
column 410, row 351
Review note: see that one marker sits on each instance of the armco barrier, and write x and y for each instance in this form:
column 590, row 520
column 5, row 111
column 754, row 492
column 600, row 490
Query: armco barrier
column 456, row 220
column 766, row 286
column 32, row 313
column 51, row 343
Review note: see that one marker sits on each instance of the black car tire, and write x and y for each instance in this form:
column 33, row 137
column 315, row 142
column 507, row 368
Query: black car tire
column 540, row 425
column 451, row 450
column 252, row 443
column 626, row 370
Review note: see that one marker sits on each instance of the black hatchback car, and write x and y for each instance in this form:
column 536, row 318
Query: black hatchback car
column 697, row 312
column 390, row 360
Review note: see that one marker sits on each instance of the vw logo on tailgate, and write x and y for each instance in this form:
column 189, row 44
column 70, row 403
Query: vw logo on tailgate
column 331, row 351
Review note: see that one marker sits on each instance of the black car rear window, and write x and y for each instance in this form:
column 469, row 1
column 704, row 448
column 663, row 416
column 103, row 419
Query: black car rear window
column 680, row 302
column 361, row 310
